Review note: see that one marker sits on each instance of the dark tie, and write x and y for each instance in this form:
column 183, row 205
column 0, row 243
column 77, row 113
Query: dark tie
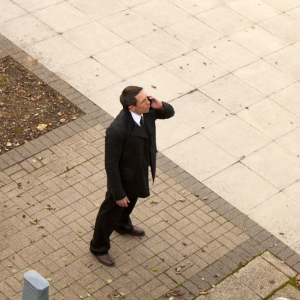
column 143, row 124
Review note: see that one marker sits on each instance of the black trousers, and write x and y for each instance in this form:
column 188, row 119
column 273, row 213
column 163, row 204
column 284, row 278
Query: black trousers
column 110, row 217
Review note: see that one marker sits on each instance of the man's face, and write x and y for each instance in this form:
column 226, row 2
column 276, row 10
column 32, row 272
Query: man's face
column 142, row 104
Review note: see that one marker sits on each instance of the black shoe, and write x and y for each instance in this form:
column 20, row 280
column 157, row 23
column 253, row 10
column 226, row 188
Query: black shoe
column 105, row 259
column 136, row 231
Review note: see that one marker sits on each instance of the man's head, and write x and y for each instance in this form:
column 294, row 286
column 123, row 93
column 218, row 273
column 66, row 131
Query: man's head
column 135, row 99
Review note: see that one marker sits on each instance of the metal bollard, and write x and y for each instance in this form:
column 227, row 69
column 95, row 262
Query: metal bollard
column 35, row 286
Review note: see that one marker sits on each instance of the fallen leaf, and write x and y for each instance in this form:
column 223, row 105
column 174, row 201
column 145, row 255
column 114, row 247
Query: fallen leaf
column 33, row 222
column 97, row 205
column 109, row 281
column 272, row 281
column 204, row 198
column 154, row 269
column 49, row 207
column 203, row 293
column 153, row 86
column 41, row 127
column 14, row 270
column 64, row 259
column 182, row 200
column 79, row 231
column 298, row 280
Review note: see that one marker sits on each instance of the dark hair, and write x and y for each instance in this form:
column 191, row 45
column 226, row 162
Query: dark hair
column 127, row 97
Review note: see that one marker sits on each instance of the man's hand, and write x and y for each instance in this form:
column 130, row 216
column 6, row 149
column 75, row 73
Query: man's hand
column 123, row 202
column 155, row 103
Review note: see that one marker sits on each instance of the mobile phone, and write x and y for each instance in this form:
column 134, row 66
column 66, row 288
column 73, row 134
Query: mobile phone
column 149, row 98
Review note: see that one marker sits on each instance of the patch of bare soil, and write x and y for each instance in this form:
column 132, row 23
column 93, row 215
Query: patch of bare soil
column 29, row 108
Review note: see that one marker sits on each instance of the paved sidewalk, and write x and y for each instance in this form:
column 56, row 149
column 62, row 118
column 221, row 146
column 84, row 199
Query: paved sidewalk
column 194, row 238
column 229, row 67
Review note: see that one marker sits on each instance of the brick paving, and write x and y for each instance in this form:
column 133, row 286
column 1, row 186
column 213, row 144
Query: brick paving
column 194, row 239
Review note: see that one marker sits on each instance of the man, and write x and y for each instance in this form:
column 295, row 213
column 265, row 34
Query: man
column 130, row 148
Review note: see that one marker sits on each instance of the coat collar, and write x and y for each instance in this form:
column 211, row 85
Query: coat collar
column 136, row 129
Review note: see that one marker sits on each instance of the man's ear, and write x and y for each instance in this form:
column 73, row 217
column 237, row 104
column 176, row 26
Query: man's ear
column 131, row 108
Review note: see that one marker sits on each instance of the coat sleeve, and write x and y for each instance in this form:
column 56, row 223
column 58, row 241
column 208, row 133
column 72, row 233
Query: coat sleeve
column 165, row 113
column 114, row 146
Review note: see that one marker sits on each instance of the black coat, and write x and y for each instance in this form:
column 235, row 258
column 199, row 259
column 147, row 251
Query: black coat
column 126, row 153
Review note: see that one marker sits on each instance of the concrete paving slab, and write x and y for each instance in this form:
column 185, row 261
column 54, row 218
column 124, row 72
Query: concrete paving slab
column 288, row 98
column 209, row 112
column 195, row 7
column 104, row 98
column 11, row 11
column 289, row 292
column 169, row 47
column 228, row 54
column 236, row 137
column 287, row 141
column 208, row 160
column 34, row 5
column 284, row 27
column 98, row 10
column 161, row 12
column 258, row 40
column 51, row 52
column 93, row 38
column 293, row 191
column 184, row 31
column 26, row 30
column 295, row 13
column 131, row 62
column 236, row 184
column 261, row 277
column 162, row 83
column 279, row 60
column 270, row 118
column 183, row 132
column 284, row 6
column 62, row 17
column 196, row 69
column 88, row 76
column 281, row 175
column 232, row 289
column 258, row 74
column 267, row 215
column 255, row 11
column 231, row 93
column 279, row 264
column 224, row 19
column 122, row 23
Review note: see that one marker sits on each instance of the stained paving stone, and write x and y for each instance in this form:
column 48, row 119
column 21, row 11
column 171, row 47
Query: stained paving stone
column 261, row 277
column 289, row 292
column 232, row 289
